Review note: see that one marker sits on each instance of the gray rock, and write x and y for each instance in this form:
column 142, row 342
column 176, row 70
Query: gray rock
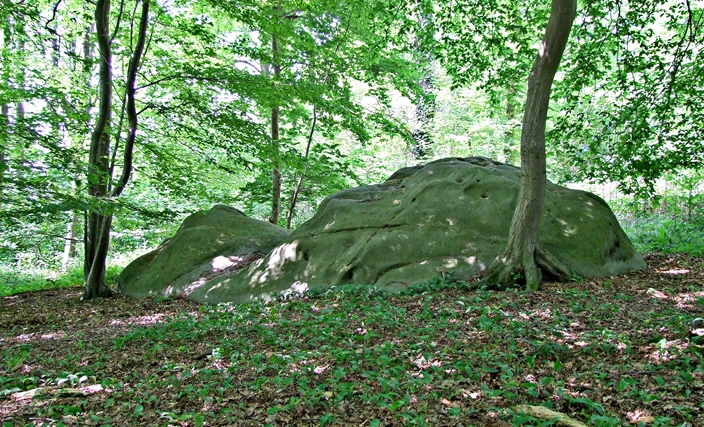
column 450, row 215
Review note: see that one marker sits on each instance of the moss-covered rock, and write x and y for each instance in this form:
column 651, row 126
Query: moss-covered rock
column 451, row 215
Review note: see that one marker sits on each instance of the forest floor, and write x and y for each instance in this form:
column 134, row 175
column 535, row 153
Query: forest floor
column 622, row 351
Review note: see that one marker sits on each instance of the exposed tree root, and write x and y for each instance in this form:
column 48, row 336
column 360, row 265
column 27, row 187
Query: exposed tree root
column 511, row 270
column 102, row 292
column 551, row 266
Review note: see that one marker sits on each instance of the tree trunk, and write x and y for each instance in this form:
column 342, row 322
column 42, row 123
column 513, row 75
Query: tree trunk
column 299, row 184
column 5, row 118
column 98, row 224
column 70, row 241
column 73, row 218
column 276, row 173
column 510, row 153
column 132, row 118
column 5, row 130
column 523, row 258
column 97, row 233
column 19, row 125
column 74, row 224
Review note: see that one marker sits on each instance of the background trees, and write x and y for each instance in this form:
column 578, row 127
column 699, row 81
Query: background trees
column 359, row 90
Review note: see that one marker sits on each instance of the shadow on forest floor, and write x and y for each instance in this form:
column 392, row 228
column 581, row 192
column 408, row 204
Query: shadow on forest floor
column 620, row 351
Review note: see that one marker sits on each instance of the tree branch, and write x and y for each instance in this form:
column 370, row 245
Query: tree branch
column 131, row 107
column 53, row 17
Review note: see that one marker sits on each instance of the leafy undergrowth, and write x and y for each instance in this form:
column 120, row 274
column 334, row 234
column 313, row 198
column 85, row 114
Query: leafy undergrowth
column 622, row 351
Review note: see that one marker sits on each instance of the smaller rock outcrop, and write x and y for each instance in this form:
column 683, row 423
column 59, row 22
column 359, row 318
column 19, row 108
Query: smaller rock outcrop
column 216, row 243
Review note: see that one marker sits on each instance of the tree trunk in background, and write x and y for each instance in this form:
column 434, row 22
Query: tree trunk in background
column 5, row 130
column 523, row 256
column 19, row 124
column 69, row 251
column 5, row 118
column 97, row 227
column 299, row 184
column 276, row 173
column 510, row 153
column 71, row 239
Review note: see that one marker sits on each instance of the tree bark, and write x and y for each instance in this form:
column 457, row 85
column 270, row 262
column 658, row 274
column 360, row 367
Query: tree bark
column 73, row 217
column 276, row 172
column 523, row 258
column 70, row 240
column 5, row 117
column 19, row 124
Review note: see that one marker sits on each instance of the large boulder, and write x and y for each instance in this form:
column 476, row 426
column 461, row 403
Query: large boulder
column 451, row 215
column 209, row 244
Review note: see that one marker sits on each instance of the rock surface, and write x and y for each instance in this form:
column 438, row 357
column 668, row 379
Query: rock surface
column 451, row 215
column 208, row 244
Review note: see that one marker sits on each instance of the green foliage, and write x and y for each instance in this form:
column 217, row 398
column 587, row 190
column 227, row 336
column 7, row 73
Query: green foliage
column 205, row 90
column 674, row 223
column 628, row 111
column 624, row 108
column 662, row 234
column 15, row 280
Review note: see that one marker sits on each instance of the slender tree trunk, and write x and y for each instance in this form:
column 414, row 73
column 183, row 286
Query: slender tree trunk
column 73, row 221
column 99, row 224
column 523, row 256
column 276, row 173
column 71, row 236
column 74, row 224
column 5, row 118
column 132, row 119
column 19, row 125
column 425, row 106
column 510, row 153
column 97, row 233
column 299, row 184
column 5, row 130
column 19, row 128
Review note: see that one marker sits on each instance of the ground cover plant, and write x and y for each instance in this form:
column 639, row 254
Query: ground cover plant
column 620, row 351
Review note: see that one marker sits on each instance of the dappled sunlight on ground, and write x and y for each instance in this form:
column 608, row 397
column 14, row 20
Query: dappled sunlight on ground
column 140, row 320
column 40, row 336
column 675, row 271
